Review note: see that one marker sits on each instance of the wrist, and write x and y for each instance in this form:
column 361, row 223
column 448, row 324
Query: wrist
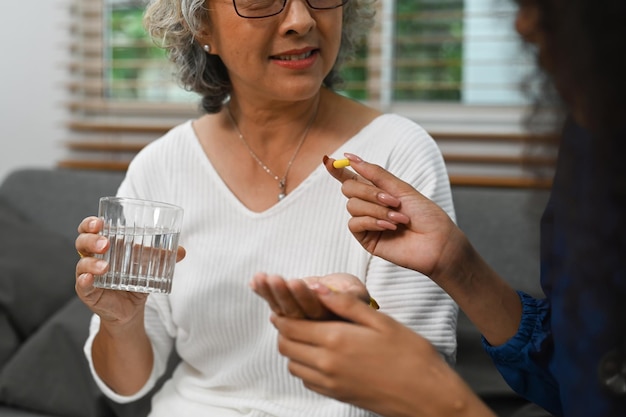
column 489, row 301
column 450, row 396
column 122, row 357
column 457, row 260
column 123, row 329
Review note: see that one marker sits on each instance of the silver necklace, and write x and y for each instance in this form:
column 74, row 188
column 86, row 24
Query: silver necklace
column 282, row 181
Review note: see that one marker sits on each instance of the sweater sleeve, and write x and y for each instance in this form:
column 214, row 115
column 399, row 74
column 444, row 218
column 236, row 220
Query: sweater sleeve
column 157, row 315
column 406, row 295
column 162, row 344
column 525, row 360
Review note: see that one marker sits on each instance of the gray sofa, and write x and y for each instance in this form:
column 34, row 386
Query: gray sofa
column 43, row 325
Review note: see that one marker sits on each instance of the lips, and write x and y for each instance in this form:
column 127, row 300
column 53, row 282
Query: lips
column 294, row 56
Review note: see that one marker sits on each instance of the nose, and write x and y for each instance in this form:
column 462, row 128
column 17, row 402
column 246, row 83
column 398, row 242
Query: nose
column 298, row 17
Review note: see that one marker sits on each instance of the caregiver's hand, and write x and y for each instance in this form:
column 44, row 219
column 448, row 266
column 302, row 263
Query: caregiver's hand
column 394, row 221
column 391, row 219
column 374, row 362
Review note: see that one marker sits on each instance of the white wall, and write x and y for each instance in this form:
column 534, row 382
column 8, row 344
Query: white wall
column 33, row 63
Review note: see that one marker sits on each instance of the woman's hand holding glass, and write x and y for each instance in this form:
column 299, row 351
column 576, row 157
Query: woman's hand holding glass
column 114, row 307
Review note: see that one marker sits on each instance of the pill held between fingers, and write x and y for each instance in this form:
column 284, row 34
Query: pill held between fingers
column 341, row 163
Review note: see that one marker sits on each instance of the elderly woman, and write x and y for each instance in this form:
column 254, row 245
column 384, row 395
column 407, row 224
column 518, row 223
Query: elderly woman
column 257, row 197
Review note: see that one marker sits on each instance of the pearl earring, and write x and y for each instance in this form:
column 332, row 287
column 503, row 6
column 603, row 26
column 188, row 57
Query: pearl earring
column 207, row 48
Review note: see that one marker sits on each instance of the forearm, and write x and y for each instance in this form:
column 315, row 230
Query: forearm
column 459, row 401
column 123, row 357
column 488, row 301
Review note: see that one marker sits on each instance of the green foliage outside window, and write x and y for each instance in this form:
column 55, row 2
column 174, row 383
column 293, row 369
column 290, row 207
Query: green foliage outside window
column 130, row 53
column 428, row 50
column 354, row 75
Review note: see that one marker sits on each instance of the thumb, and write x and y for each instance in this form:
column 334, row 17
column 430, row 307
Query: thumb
column 181, row 252
column 347, row 306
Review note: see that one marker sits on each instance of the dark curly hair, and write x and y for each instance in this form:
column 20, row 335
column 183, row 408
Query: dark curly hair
column 585, row 43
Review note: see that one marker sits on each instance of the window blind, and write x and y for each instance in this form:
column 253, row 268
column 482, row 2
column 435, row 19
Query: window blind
column 453, row 66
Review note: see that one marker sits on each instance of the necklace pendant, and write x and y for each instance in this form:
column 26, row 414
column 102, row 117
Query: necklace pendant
column 281, row 186
column 282, row 182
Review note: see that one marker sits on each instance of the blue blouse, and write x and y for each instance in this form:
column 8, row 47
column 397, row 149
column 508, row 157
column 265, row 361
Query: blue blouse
column 556, row 357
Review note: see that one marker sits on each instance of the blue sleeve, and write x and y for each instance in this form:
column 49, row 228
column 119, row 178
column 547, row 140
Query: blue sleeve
column 525, row 360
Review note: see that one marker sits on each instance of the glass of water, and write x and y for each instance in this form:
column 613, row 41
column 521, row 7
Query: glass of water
column 143, row 238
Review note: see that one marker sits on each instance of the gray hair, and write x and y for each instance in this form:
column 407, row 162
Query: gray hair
column 172, row 24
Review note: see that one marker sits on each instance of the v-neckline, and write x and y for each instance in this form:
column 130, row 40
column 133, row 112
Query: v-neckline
column 293, row 195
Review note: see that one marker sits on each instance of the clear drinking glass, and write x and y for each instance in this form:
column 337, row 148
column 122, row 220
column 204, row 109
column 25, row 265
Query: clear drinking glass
column 143, row 238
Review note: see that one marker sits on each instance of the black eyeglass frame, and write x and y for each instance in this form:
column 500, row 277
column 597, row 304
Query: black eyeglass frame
column 308, row 2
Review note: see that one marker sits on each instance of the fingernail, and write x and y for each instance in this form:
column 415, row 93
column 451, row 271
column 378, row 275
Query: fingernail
column 101, row 243
column 92, row 224
column 386, row 224
column 325, row 159
column 398, row 217
column 388, row 199
column 352, row 157
column 101, row 265
column 322, row 289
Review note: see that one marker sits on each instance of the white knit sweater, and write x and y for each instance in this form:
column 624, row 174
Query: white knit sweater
column 218, row 326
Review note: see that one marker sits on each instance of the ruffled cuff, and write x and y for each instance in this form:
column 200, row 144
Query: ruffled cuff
column 529, row 334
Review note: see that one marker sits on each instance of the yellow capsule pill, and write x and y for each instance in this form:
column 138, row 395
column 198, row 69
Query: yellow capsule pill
column 341, row 163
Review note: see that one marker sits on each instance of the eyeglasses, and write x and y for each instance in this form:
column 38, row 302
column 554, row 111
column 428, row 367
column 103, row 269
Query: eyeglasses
column 256, row 9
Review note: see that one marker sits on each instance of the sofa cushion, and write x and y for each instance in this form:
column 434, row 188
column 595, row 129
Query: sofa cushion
column 16, row 412
column 35, row 193
column 49, row 374
column 37, row 269
column 9, row 339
